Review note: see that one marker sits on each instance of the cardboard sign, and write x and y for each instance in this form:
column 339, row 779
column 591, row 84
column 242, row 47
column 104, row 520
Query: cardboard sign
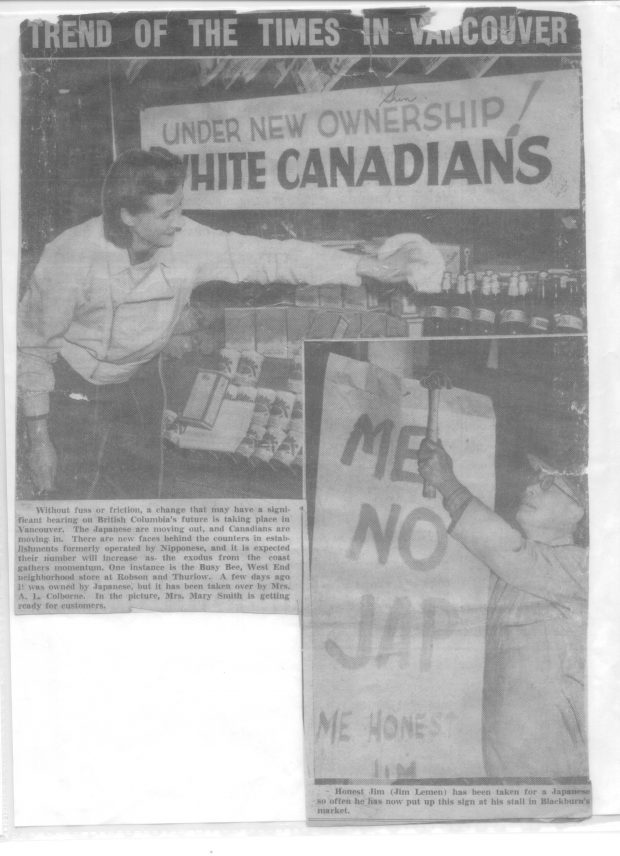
column 398, row 608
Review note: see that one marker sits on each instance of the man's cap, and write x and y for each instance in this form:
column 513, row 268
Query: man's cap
column 570, row 479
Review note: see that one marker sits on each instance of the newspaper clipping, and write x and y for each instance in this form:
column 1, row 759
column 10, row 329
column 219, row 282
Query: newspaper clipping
column 302, row 306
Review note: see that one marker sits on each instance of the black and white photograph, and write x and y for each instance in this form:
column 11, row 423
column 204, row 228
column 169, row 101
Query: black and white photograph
column 448, row 582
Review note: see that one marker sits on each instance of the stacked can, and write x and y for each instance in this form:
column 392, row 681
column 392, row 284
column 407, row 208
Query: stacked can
column 291, row 448
column 247, row 394
column 295, row 381
column 277, row 425
column 227, row 362
column 258, row 424
column 248, row 368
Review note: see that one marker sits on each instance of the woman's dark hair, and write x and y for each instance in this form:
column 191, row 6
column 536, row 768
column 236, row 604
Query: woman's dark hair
column 133, row 176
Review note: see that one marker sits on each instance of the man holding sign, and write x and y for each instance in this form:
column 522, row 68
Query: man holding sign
column 533, row 700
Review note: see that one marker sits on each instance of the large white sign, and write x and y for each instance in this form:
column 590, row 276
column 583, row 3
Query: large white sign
column 498, row 142
column 398, row 608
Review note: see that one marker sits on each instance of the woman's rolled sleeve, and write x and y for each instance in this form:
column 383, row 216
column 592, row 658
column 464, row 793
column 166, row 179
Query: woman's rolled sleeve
column 236, row 258
column 45, row 314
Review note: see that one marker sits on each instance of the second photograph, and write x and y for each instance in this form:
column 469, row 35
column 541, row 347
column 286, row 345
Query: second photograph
column 445, row 606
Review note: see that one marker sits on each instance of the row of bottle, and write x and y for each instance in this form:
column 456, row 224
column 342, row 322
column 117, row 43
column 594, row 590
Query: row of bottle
column 553, row 303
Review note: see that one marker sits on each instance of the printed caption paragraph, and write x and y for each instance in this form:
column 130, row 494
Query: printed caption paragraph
column 351, row 802
column 227, row 555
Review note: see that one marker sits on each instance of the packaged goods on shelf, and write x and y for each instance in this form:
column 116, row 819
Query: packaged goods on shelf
column 271, row 331
column 492, row 303
column 330, row 296
column 308, row 296
column 261, row 404
column 229, row 429
column 354, row 297
column 240, row 328
column 275, row 331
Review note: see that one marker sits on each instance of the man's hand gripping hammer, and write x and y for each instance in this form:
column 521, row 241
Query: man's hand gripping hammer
column 433, row 382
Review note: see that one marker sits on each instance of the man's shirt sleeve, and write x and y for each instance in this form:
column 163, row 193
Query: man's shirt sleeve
column 557, row 574
column 45, row 314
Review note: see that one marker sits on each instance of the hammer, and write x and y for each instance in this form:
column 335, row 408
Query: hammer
column 434, row 381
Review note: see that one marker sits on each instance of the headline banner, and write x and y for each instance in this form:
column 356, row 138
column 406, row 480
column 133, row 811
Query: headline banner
column 398, row 607
column 399, row 31
column 490, row 143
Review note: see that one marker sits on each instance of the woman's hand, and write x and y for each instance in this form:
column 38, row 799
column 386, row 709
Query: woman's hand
column 42, row 457
column 391, row 271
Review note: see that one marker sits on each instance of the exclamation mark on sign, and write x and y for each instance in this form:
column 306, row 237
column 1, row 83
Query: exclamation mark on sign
column 514, row 129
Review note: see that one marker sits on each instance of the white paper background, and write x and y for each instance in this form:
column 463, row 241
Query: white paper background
column 152, row 679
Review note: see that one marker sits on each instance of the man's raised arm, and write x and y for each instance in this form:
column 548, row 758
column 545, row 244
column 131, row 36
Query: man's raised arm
column 555, row 573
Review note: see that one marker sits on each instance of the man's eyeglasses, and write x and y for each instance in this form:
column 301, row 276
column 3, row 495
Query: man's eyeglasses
column 547, row 481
